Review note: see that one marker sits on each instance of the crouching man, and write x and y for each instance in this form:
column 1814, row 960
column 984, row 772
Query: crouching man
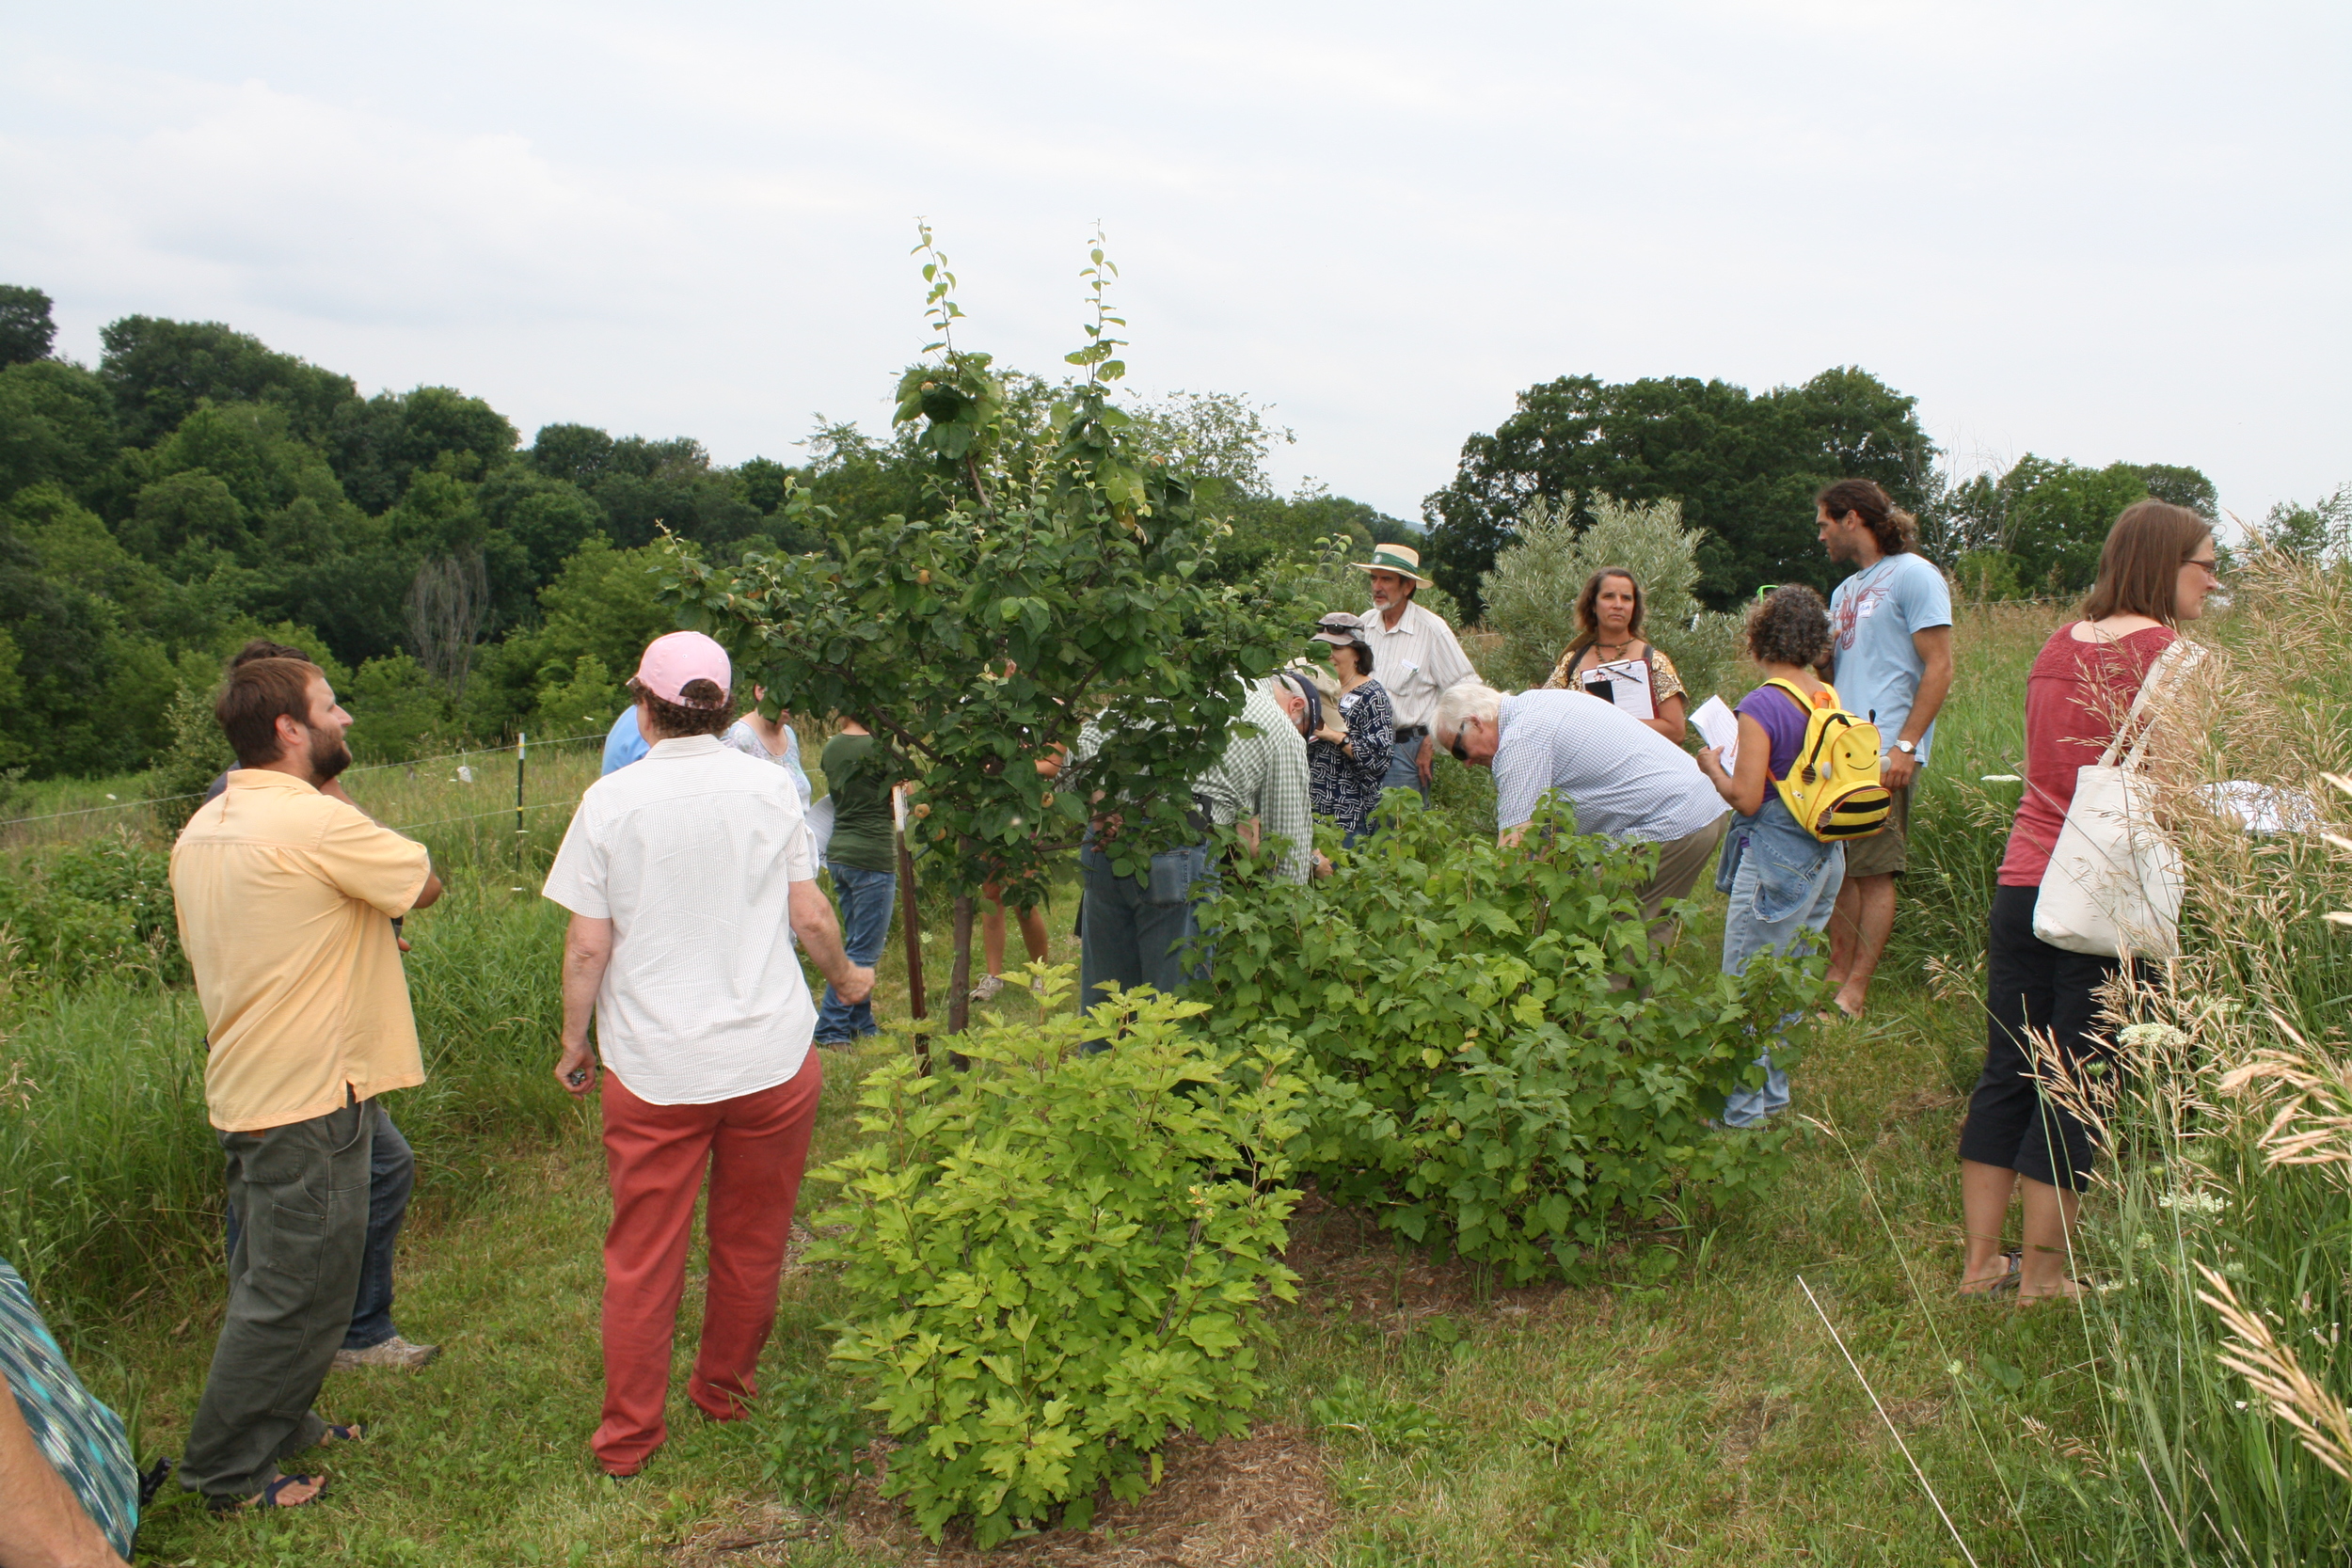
column 687, row 874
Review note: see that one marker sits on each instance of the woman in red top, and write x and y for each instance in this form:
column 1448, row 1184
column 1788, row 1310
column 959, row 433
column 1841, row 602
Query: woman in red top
column 2154, row 572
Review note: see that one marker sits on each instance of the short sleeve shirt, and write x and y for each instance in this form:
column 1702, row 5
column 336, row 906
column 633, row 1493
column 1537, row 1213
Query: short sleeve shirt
column 282, row 895
column 1872, row 617
column 1784, row 724
column 1415, row 661
column 624, row 743
column 691, row 852
column 746, row 739
column 1625, row 780
column 1265, row 775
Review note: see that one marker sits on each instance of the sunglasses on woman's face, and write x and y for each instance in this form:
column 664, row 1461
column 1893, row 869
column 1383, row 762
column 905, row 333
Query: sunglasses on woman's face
column 1459, row 754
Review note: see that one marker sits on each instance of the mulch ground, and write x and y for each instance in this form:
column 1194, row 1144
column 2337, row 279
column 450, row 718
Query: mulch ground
column 1262, row 1499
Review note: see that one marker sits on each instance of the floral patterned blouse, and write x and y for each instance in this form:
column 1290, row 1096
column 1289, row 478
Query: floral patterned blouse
column 1347, row 789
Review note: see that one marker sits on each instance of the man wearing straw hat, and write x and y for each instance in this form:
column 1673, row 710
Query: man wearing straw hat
column 1417, row 655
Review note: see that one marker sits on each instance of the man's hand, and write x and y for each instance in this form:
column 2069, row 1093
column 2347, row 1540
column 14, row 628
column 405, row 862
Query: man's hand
column 1428, row 752
column 814, row 923
column 1898, row 770
column 587, row 950
column 576, row 1069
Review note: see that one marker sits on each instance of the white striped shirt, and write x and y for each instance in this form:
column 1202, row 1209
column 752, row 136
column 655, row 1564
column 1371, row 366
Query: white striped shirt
column 1415, row 659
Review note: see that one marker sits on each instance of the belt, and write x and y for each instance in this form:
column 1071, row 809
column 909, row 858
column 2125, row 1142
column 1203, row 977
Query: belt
column 1411, row 732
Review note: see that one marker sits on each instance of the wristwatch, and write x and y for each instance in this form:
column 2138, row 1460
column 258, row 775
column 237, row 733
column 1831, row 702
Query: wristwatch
column 1907, row 747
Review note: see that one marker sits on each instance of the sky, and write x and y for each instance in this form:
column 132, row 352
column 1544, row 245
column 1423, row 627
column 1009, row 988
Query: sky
column 2096, row 232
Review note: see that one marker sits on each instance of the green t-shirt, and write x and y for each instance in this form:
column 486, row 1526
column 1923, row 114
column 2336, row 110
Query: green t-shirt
column 859, row 783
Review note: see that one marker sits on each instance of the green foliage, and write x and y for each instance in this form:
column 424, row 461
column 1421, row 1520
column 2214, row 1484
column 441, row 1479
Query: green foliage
column 579, row 701
column 1055, row 1259
column 2320, row 531
column 97, row 911
column 398, row 711
column 159, row 370
column 1497, row 1057
column 26, row 329
column 56, row 425
column 378, row 445
column 976, row 641
column 1745, row 470
column 1988, row 576
column 810, row 1436
column 1531, row 595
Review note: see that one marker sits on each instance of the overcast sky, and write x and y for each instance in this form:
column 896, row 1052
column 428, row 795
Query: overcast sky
column 2090, row 232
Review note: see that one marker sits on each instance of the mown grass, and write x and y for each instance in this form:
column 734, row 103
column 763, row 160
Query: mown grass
column 1705, row 1417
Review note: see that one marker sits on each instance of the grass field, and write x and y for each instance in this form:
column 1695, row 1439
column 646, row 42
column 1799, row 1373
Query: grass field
column 1705, row 1418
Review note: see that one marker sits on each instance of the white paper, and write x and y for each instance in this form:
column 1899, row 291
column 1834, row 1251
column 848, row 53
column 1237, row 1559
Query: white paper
column 1719, row 727
column 2260, row 808
column 1625, row 683
column 820, row 822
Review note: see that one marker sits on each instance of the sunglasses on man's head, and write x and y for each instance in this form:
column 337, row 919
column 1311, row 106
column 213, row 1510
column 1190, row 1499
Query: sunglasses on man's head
column 1459, row 754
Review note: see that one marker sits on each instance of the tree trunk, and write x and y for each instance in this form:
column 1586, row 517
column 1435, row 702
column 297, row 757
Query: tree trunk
column 960, row 997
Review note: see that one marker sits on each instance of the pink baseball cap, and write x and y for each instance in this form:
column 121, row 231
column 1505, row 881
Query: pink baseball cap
column 675, row 662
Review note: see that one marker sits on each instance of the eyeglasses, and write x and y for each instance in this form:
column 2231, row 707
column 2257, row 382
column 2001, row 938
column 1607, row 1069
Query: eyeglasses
column 1459, row 754
column 2210, row 566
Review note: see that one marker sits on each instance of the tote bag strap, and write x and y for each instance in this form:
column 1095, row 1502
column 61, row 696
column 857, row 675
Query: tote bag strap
column 2170, row 665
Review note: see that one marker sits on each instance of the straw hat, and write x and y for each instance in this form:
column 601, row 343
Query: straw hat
column 1402, row 560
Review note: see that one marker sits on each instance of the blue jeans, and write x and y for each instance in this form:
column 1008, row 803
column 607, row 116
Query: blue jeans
column 1134, row 927
column 866, row 898
column 1746, row 933
column 391, row 1177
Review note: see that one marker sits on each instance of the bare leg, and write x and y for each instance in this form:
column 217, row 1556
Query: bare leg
column 1844, row 923
column 1985, row 1197
column 1874, row 911
column 993, row 928
column 1032, row 934
column 2050, row 1213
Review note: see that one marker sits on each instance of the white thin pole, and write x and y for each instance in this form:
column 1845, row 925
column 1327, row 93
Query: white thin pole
column 1889, row 1420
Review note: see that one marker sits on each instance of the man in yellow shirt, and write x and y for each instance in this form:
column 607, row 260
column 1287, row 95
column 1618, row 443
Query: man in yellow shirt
column 282, row 894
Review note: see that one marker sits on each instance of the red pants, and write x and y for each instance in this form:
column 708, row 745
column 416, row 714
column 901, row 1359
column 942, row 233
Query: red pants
column 755, row 1145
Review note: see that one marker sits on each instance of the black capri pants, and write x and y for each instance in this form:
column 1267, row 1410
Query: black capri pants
column 2032, row 985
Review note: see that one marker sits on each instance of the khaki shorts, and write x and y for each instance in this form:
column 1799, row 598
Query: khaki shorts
column 1881, row 854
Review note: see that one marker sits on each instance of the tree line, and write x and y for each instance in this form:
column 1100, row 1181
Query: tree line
column 198, row 488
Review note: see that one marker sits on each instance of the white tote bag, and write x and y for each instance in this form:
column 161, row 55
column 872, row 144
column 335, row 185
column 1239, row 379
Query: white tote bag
column 2113, row 885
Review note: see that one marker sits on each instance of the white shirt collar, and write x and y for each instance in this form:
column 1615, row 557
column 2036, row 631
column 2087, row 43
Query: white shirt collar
column 687, row 746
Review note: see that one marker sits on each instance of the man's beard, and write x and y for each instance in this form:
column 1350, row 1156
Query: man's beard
column 330, row 756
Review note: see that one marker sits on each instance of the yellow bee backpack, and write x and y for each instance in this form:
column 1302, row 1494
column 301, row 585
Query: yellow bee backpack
column 1834, row 787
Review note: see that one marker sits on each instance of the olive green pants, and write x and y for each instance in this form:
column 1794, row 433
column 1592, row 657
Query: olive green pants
column 301, row 1196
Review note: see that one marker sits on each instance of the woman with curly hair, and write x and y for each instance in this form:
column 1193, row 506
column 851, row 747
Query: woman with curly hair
column 1782, row 882
column 1609, row 631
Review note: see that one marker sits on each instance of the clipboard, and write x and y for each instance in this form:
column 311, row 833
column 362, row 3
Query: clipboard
column 1625, row 683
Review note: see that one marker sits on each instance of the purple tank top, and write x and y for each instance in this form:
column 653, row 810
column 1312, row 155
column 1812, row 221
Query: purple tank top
column 1783, row 720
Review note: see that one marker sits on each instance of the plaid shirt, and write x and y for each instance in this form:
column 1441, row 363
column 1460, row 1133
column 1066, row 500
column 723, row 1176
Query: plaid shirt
column 1264, row 775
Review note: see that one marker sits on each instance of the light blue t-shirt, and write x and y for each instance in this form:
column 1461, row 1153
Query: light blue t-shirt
column 623, row 745
column 1872, row 615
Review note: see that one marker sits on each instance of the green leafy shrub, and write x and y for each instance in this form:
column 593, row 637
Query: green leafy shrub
column 811, row 1434
column 1056, row 1259
column 99, row 909
column 1494, row 1055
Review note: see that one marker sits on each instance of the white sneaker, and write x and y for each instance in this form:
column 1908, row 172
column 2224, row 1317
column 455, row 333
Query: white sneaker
column 394, row 1353
column 986, row 991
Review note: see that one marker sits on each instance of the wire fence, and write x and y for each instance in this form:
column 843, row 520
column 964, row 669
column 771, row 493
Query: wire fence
column 409, row 767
